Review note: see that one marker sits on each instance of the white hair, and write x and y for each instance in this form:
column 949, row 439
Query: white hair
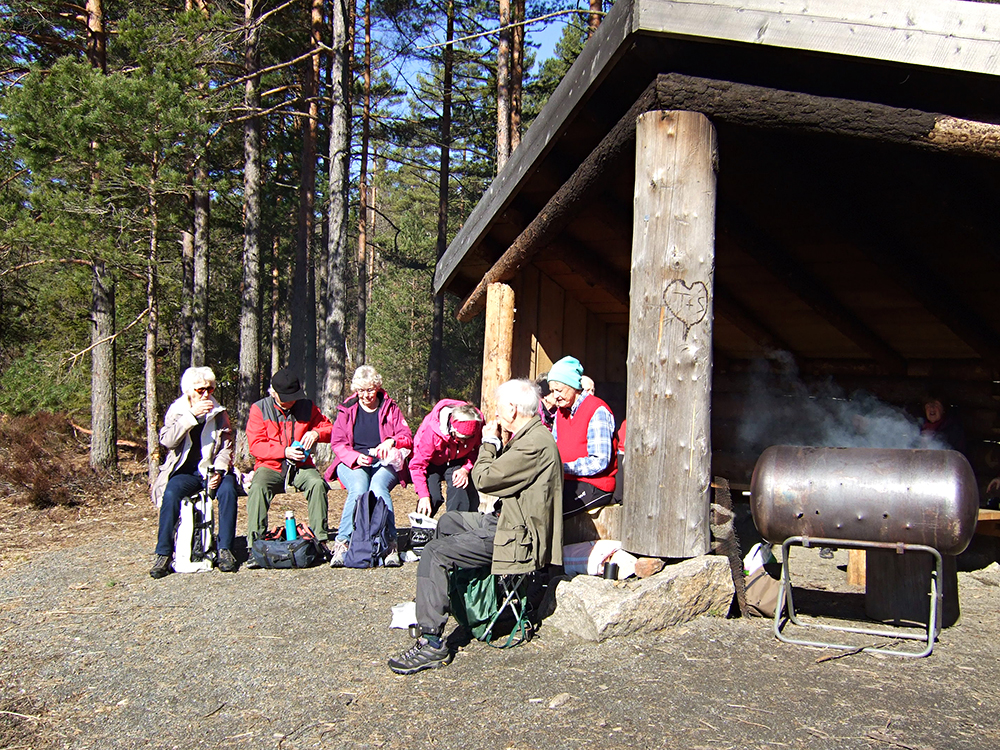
column 365, row 376
column 522, row 393
column 196, row 377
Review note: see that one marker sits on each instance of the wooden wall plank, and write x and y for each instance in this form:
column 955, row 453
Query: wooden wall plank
column 525, row 321
column 575, row 330
column 549, row 342
column 595, row 363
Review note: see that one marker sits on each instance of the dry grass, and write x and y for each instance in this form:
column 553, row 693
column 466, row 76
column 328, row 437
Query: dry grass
column 50, row 498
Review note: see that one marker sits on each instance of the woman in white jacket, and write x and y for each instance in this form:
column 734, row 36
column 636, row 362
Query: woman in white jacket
column 199, row 439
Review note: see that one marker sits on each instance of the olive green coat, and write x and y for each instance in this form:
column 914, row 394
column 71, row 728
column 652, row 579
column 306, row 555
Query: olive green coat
column 527, row 476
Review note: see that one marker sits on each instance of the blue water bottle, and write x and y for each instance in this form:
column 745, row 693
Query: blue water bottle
column 290, row 533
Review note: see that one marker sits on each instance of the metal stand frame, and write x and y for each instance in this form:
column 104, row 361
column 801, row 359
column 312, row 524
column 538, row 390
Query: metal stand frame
column 513, row 589
column 785, row 594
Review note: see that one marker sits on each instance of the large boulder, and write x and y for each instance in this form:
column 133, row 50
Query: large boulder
column 594, row 608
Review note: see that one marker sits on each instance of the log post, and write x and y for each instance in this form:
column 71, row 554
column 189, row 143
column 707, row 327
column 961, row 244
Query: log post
column 497, row 344
column 666, row 509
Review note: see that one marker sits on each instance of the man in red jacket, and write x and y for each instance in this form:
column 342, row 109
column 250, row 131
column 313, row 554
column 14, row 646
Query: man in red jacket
column 584, row 430
column 275, row 424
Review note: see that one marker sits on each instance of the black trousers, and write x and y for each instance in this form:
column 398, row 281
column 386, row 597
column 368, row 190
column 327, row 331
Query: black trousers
column 459, row 498
column 579, row 496
column 464, row 540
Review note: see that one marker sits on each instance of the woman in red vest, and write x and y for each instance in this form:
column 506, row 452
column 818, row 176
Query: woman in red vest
column 584, row 430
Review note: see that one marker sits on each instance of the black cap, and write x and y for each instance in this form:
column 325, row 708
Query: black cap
column 285, row 383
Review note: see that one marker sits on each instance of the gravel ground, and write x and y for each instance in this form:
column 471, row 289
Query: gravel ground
column 96, row 654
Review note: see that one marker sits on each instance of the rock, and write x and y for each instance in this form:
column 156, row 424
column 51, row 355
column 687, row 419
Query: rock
column 595, row 609
column 648, row 566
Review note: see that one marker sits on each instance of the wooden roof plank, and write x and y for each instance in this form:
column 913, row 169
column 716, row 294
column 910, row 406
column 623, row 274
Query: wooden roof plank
column 937, row 33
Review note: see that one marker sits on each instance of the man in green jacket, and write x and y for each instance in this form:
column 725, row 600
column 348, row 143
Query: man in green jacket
column 522, row 534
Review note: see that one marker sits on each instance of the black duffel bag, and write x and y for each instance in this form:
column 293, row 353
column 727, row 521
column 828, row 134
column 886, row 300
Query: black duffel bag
column 273, row 551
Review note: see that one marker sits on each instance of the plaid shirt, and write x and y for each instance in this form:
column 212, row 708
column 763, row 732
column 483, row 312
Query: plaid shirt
column 600, row 432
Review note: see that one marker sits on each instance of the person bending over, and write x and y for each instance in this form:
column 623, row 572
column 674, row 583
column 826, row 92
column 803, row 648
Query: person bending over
column 446, row 447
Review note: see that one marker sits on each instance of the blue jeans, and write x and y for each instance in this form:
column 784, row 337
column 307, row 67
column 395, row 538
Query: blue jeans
column 181, row 486
column 376, row 478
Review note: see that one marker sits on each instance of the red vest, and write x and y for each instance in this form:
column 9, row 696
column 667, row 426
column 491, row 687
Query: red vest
column 571, row 438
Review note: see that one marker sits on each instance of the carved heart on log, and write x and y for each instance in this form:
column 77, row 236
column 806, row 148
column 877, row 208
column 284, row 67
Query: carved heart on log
column 689, row 304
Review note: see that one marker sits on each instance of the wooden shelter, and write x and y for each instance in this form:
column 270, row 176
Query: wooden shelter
column 716, row 184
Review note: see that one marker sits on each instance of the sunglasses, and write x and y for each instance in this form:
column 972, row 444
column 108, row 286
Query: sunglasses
column 206, row 389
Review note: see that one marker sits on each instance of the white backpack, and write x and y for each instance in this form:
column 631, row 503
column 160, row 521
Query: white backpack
column 194, row 535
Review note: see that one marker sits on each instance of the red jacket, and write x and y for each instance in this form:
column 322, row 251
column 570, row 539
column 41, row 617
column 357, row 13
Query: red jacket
column 270, row 430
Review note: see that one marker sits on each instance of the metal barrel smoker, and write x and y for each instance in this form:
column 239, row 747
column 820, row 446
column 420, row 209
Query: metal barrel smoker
column 887, row 500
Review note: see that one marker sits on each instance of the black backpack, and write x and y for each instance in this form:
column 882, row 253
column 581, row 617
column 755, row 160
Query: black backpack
column 370, row 540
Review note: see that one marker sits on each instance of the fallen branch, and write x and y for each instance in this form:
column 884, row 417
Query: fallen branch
column 120, row 443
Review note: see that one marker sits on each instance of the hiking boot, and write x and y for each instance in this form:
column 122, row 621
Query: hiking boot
column 161, row 567
column 391, row 559
column 422, row 655
column 339, row 551
column 227, row 563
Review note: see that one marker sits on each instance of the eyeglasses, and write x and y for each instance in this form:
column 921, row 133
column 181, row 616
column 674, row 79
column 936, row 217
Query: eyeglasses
column 204, row 389
column 370, row 391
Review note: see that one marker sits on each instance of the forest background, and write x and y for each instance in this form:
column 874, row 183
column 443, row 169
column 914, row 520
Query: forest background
column 245, row 186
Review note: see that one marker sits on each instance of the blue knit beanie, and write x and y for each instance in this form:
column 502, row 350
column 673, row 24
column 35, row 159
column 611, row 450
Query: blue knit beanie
column 567, row 370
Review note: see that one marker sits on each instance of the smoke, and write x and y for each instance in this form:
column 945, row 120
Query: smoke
column 782, row 410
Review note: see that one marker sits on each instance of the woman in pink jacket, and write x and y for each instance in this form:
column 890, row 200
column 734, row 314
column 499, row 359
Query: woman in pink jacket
column 446, row 447
column 367, row 435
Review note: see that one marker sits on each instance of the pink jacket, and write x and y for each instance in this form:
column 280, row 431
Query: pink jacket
column 391, row 424
column 434, row 446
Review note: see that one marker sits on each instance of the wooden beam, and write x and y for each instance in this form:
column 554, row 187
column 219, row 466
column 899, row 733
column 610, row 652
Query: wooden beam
column 762, row 107
column 668, row 453
column 587, row 181
column 497, row 344
column 810, row 290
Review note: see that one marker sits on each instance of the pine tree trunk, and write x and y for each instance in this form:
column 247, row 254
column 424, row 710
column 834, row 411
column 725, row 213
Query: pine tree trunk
column 516, row 73
column 339, row 158
column 249, row 375
column 152, row 329
column 503, row 87
column 298, row 295
column 434, row 361
column 103, row 406
column 187, row 284
column 275, row 314
column 96, row 39
column 363, row 192
column 103, row 386
column 594, row 19
column 199, row 306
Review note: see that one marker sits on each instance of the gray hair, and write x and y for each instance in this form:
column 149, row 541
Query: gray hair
column 365, row 376
column 466, row 413
column 195, row 377
column 522, row 393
